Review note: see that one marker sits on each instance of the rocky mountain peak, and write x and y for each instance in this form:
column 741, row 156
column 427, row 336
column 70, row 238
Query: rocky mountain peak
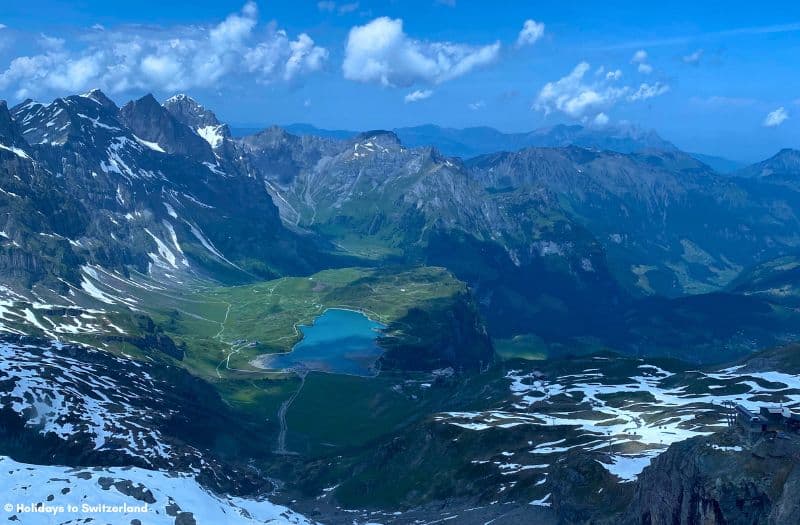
column 785, row 163
column 379, row 135
column 10, row 134
column 270, row 137
column 152, row 122
column 788, row 156
column 190, row 112
column 382, row 139
column 101, row 98
column 77, row 118
column 203, row 121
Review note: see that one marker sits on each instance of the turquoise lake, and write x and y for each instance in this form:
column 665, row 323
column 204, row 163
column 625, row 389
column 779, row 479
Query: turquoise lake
column 339, row 341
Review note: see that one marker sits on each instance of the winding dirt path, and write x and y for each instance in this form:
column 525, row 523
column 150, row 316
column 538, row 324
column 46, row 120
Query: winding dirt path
column 281, row 448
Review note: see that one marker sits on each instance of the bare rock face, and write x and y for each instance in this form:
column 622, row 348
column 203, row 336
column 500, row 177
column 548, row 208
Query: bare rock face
column 151, row 121
column 717, row 480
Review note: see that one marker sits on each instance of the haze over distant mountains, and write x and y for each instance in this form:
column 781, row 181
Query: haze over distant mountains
column 474, row 141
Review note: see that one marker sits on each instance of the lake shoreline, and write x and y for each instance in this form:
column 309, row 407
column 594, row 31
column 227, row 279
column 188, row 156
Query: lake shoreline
column 329, row 344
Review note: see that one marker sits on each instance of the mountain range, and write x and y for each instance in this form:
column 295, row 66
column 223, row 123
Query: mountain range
column 475, row 141
column 154, row 241
column 545, row 237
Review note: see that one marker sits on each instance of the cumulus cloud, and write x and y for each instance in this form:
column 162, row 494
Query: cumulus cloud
column 639, row 57
column 614, row 75
column 419, row 94
column 775, row 118
column 600, row 120
column 693, row 58
column 475, row 106
column 588, row 99
column 531, row 32
column 575, row 96
column 647, row 91
column 381, row 52
column 166, row 59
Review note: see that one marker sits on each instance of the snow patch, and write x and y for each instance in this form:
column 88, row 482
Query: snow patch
column 212, row 135
column 16, row 151
column 152, row 145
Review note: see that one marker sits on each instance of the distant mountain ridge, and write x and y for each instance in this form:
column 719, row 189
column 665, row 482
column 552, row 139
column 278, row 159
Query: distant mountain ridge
column 474, row 141
column 470, row 142
column 783, row 165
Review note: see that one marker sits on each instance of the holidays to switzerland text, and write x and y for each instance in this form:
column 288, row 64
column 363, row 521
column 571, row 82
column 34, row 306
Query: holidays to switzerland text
column 83, row 508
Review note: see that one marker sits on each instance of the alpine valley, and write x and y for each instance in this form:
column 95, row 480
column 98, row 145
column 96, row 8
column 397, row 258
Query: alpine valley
column 409, row 326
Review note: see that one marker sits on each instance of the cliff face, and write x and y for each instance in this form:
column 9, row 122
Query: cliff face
column 717, row 480
column 447, row 332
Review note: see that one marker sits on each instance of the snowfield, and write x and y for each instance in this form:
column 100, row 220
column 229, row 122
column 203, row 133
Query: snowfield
column 121, row 495
column 58, row 394
column 629, row 419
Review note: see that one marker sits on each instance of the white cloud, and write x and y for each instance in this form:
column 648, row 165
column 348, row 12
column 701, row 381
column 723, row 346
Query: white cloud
column 531, row 32
column 3, row 26
column 50, row 42
column 720, row 101
column 329, row 7
column 614, row 75
column 166, row 59
column 381, row 52
column 775, row 118
column 600, row 120
column 348, row 8
column 304, row 56
column 416, row 96
column 647, row 91
column 588, row 99
column 475, row 106
column 693, row 58
column 575, row 96
column 792, row 27
column 640, row 58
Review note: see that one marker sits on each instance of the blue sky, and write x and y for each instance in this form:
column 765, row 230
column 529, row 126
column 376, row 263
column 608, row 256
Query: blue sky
column 713, row 77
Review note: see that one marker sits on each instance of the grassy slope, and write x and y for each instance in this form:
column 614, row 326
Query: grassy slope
column 263, row 317
column 211, row 323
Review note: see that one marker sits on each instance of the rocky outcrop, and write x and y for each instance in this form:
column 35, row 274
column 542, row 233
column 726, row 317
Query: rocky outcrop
column 717, row 480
